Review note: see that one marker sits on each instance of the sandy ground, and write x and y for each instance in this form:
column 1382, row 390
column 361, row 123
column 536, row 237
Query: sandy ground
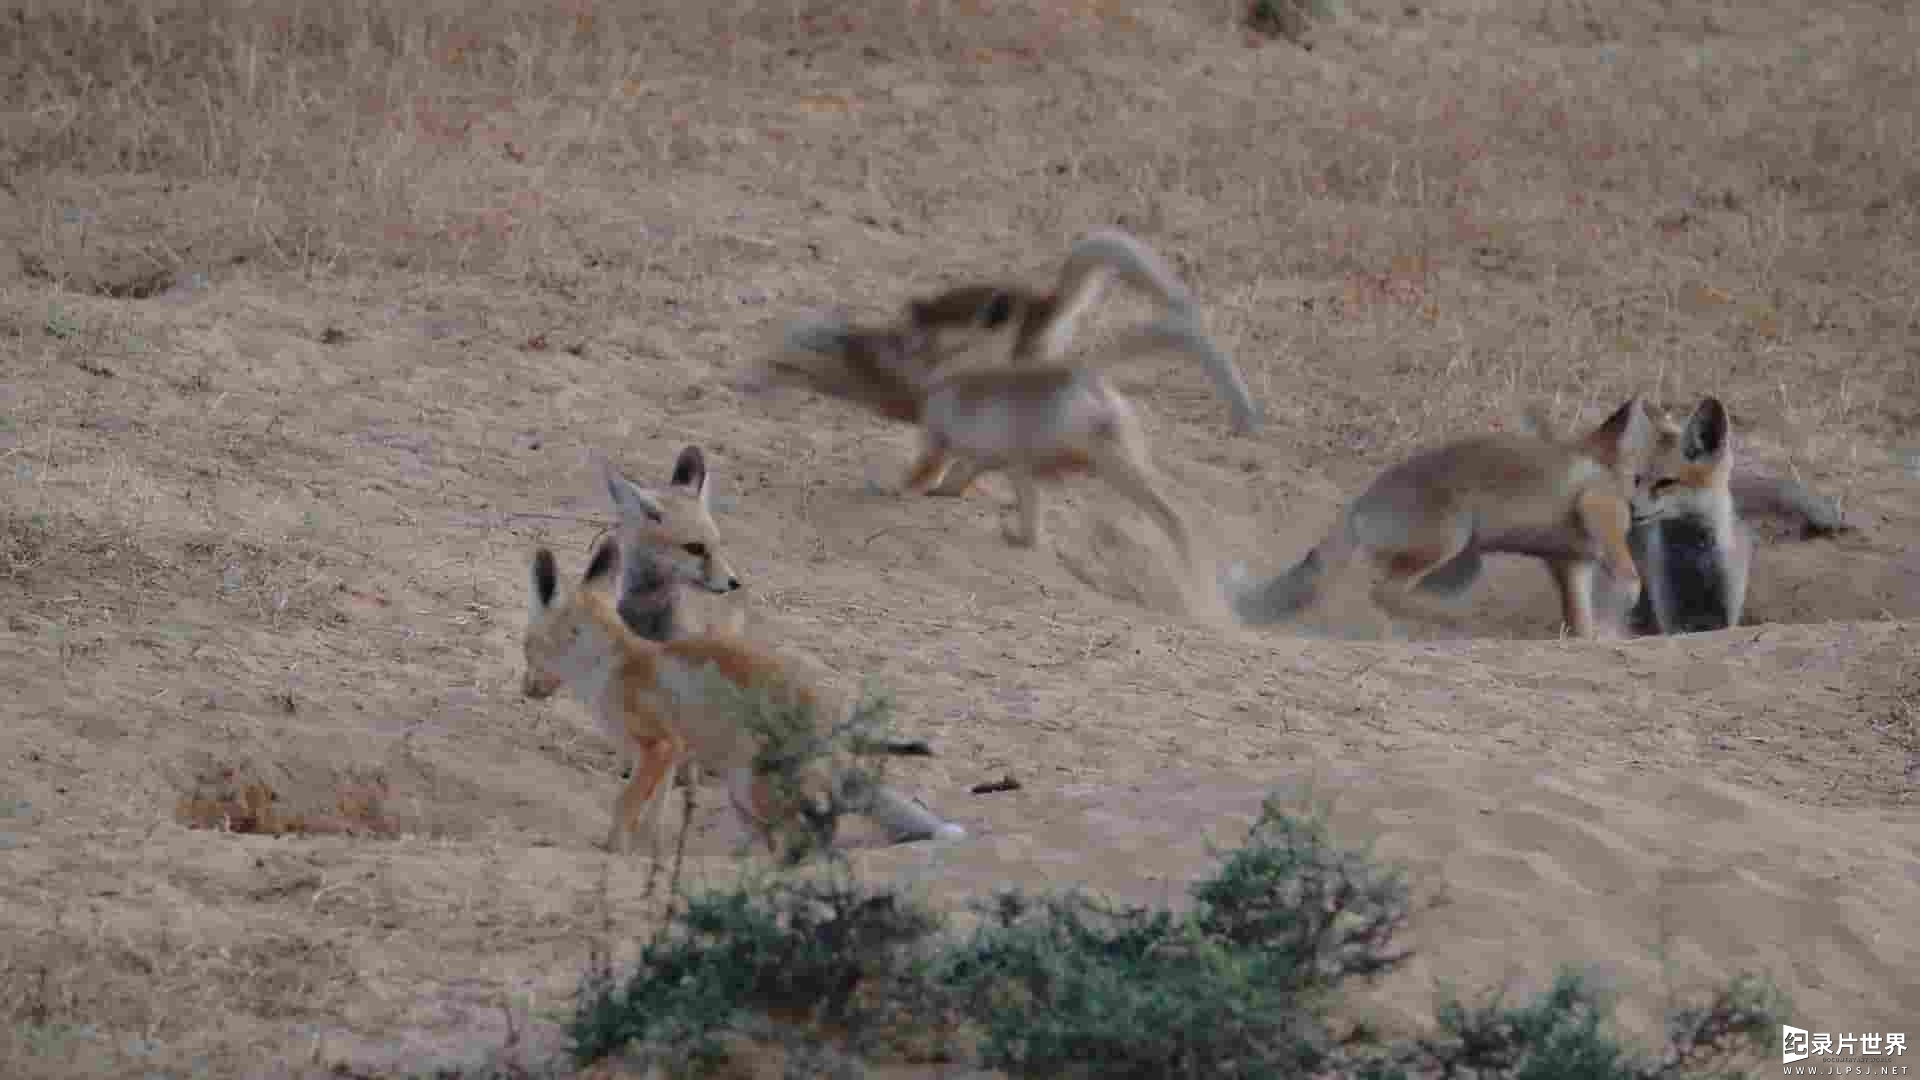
column 271, row 524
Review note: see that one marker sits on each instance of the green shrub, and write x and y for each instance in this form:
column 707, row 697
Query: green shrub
column 1246, row 983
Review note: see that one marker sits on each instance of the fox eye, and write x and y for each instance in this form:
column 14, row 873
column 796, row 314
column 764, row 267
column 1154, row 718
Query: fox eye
column 696, row 549
column 1663, row 484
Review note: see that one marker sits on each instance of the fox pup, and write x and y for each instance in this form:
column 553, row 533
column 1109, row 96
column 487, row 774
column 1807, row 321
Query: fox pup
column 1427, row 522
column 1693, row 550
column 1042, row 424
column 672, row 543
column 652, row 698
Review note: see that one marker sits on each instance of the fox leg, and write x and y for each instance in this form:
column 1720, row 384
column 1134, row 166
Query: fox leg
column 1606, row 519
column 752, row 800
column 1404, row 571
column 1575, row 580
column 655, row 759
column 959, row 479
column 1026, row 499
column 927, row 469
column 1122, row 461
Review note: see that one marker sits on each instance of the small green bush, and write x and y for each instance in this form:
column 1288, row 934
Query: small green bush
column 826, row 952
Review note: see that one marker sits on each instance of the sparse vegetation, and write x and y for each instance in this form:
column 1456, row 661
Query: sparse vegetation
column 1246, row 983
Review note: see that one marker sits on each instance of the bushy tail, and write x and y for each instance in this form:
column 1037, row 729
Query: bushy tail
column 1104, row 252
column 1280, row 597
column 827, row 334
column 1755, row 493
column 810, row 351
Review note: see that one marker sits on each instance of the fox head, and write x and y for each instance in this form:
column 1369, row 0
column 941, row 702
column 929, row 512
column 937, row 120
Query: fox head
column 1689, row 466
column 672, row 526
column 1008, row 319
column 565, row 639
column 1619, row 445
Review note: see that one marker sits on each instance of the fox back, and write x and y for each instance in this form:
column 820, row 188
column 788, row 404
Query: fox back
column 641, row 689
column 1516, row 493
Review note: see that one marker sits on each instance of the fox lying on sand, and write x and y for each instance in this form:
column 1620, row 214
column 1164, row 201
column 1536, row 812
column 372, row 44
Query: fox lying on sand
column 1427, row 522
column 653, row 698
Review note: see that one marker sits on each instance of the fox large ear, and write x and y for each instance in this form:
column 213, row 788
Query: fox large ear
column 605, row 558
column 629, row 498
column 690, row 471
column 546, row 579
column 1705, row 436
column 1625, row 434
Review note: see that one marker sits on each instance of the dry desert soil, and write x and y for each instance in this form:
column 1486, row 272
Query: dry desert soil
column 311, row 315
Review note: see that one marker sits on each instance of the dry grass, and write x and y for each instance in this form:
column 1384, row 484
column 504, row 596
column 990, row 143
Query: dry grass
column 317, row 308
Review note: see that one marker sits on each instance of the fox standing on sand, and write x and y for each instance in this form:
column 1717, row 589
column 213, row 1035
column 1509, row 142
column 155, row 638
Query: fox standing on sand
column 886, row 368
column 651, row 697
column 1427, row 522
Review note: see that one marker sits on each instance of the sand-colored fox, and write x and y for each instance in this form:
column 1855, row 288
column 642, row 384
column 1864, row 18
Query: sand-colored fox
column 1690, row 536
column 670, row 533
column 887, row 368
column 1427, row 522
column 654, row 699
column 1042, row 424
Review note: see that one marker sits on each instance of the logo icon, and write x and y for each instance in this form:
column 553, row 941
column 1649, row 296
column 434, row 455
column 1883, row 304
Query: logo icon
column 1793, row 1044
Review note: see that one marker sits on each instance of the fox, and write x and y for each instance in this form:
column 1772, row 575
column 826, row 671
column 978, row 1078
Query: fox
column 1691, row 537
column 1042, row 424
column 1044, row 323
column 674, row 548
column 650, row 697
column 885, row 368
column 1693, row 550
column 673, row 528
column 1425, row 523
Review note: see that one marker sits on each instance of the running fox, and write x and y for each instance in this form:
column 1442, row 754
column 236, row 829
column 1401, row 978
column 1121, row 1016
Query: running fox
column 1427, row 522
column 886, row 369
column 651, row 698
column 1042, row 424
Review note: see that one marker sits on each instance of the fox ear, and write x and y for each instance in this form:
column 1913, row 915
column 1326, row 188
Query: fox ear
column 629, row 498
column 690, row 471
column 1705, row 436
column 1624, row 435
column 546, row 579
column 605, row 558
